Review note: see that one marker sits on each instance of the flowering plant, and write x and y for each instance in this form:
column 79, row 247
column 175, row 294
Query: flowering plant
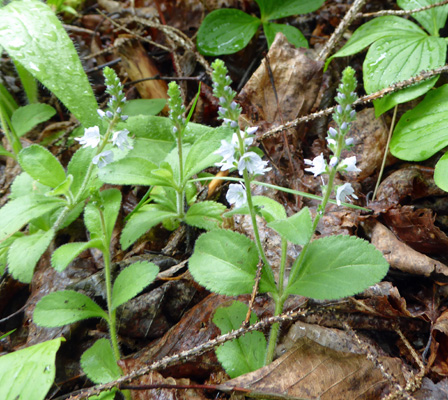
column 327, row 268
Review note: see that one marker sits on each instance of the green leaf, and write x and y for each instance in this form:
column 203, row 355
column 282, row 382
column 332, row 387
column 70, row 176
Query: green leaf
column 7, row 102
column 421, row 132
column 78, row 167
column 284, row 8
column 18, row 212
column 99, row 364
column 24, row 185
column 143, row 107
column 65, row 307
column 269, row 209
column 6, row 153
column 293, row 35
column 226, row 31
column 242, row 355
column 374, row 30
column 27, row 117
column 142, row 221
column 29, row 373
column 128, row 171
column 336, row 267
column 110, row 206
column 131, row 281
column 441, row 173
column 29, row 84
column 205, row 215
column 41, row 165
column 297, row 229
column 163, row 176
column 4, row 248
column 201, row 154
column 432, row 20
column 66, row 253
column 32, row 34
column 25, row 252
column 224, row 262
column 63, row 189
column 390, row 61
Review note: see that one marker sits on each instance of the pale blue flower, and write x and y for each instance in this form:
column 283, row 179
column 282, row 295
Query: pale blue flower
column 103, row 158
column 91, row 137
column 344, row 191
column 253, row 163
column 349, row 165
column 318, row 165
column 236, row 195
column 120, row 139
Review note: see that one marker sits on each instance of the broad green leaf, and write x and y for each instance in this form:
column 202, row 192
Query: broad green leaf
column 4, row 248
column 24, row 185
column 18, row 212
column 27, row 117
column 224, row 262
column 205, row 215
column 131, row 281
column 421, row 132
column 293, row 35
column 32, row 34
column 142, row 221
column 336, row 267
column 226, row 31
column 432, row 20
column 29, row 373
column 99, row 364
column 25, row 252
column 78, row 167
column 128, row 171
column 441, row 173
column 245, row 354
column 65, row 307
column 270, row 209
column 297, row 229
column 110, row 206
column 63, row 189
column 41, row 165
column 164, row 176
column 201, row 154
column 284, row 8
column 165, row 197
column 66, row 253
column 390, row 61
column 143, row 107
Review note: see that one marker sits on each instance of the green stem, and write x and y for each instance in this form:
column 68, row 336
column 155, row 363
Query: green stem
column 11, row 136
column 279, row 302
column 180, row 193
column 140, row 203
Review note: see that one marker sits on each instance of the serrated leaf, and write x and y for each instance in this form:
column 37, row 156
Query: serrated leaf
column 242, row 355
column 432, row 20
column 284, row 8
column 131, row 281
column 25, row 252
column 99, row 364
column 143, row 107
column 66, row 253
column 27, row 117
column 41, row 165
column 29, row 373
column 110, row 206
column 163, row 176
column 32, row 34
column 421, row 132
column 293, row 35
column 441, row 173
column 128, row 171
column 65, row 307
column 270, row 209
column 142, row 221
column 18, row 212
column 226, row 31
column 205, row 215
column 224, row 262
column 336, row 267
column 297, row 229
column 390, row 61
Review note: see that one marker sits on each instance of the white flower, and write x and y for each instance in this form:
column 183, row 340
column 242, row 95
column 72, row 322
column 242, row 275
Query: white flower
column 91, row 137
column 332, row 132
column 101, row 113
column 333, row 161
column 247, row 140
column 226, row 164
column 253, row 163
column 331, row 141
column 103, row 158
column 349, row 165
column 343, row 191
column 227, row 152
column 120, row 139
column 318, row 165
column 236, row 195
column 349, row 141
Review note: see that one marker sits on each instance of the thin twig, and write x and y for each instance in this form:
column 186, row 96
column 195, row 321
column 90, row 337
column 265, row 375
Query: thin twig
column 400, row 12
column 246, row 322
column 187, row 354
column 363, row 100
column 343, row 25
